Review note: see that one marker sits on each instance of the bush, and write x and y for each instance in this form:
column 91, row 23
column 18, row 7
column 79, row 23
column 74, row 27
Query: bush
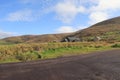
column 28, row 56
column 116, row 46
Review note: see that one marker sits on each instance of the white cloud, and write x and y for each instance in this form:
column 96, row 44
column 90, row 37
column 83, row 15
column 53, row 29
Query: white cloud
column 41, row 4
column 108, row 5
column 97, row 10
column 102, row 9
column 68, row 29
column 80, row 27
column 96, row 17
column 67, row 10
column 22, row 15
column 4, row 34
column 65, row 29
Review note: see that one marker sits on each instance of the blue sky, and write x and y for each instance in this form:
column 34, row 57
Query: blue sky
column 23, row 17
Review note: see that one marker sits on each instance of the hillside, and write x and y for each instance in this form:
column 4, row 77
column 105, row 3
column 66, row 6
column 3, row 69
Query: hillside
column 108, row 30
column 35, row 38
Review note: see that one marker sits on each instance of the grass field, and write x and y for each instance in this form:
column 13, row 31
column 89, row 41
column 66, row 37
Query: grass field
column 35, row 51
column 61, row 52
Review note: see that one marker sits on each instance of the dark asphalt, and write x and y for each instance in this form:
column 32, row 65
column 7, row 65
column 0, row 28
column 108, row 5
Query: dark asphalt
column 97, row 66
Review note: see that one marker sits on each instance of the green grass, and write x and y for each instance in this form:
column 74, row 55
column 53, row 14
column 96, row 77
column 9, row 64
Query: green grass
column 5, row 43
column 28, row 56
column 61, row 52
column 53, row 53
column 49, row 51
column 9, row 60
column 116, row 46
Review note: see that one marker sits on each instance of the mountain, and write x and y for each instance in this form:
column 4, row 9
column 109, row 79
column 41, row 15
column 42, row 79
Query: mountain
column 108, row 30
column 35, row 38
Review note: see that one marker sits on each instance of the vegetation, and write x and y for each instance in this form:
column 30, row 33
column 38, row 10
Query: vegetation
column 15, row 49
column 116, row 45
column 60, row 52
column 35, row 51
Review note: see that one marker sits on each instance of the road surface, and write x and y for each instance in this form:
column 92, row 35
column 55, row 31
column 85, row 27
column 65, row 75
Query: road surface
column 97, row 66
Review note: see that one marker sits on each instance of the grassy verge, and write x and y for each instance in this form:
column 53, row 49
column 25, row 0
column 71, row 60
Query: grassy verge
column 61, row 52
column 29, row 52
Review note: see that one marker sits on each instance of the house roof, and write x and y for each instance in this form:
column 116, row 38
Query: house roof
column 73, row 38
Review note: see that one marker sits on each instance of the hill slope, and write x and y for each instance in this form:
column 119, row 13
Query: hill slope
column 35, row 38
column 107, row 30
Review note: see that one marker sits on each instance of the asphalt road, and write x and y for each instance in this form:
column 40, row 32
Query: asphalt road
column 96, row 66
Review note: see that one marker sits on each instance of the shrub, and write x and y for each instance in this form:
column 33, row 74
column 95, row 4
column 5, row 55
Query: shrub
column 28, row 56
column 116, row 46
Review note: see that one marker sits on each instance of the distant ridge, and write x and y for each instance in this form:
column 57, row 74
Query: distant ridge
column 108, row 30
column 36, row 38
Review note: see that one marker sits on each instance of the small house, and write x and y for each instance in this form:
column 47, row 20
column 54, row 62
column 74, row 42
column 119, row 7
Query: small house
column 71, row 39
